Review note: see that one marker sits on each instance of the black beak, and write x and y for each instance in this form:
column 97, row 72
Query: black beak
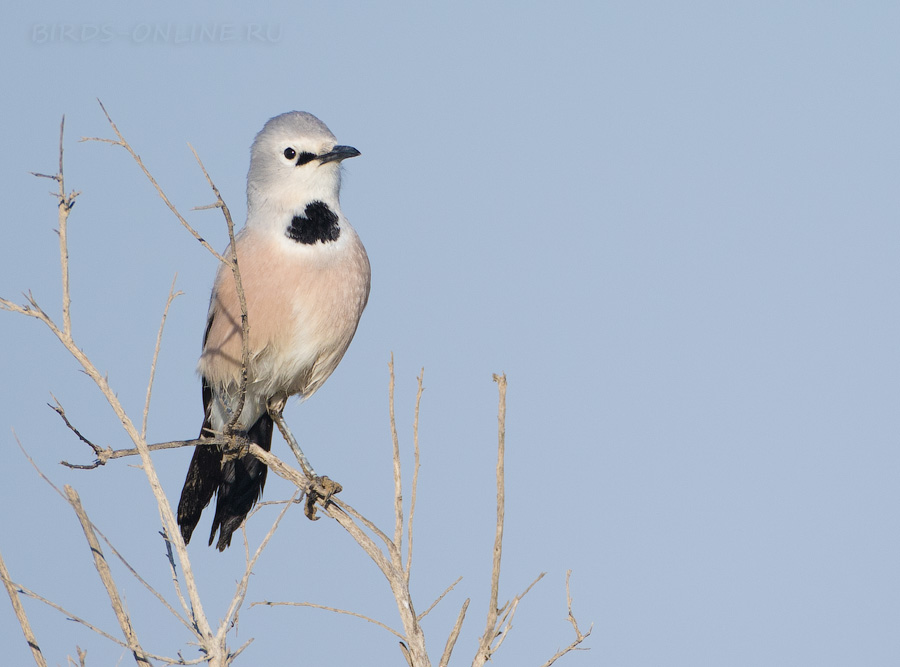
column 337, row 154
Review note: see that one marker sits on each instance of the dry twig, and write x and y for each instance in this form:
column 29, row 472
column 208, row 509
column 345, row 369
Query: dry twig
column 491, row 630
column 105, row 455
column 440, row 597
column 579, row 636
column 389, row 560
column 13, row 592
column 106, row 578
column 454, row 635
column 120, row 141
column 415, row 482
column 64, row 335
column 239, row 288
column 162, row 325
column 267, row 603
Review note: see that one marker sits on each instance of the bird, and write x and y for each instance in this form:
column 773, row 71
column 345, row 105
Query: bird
column 306, row 278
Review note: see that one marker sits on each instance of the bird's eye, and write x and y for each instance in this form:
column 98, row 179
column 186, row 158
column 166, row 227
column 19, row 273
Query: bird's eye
column 290, row 153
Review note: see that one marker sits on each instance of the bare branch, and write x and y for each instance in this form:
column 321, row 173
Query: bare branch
column 104, row 455
column 37, row 469
column 174, row 572
column 58, row 409
column 52, row 177
column 490, row 631
column 220, row 203
column 266, row 603
column 334, row 508
column 114, row 550
column 21, row 616
column 64, row 207
column 106, row 577
column 64, row 335
column 240, row 649
column 34, row 596
column 389, row 565
column 74, row 617
column 239, row 287
column 120, row 141
column 579, row 636
column 415, row 481
column 162, row 324
column 454, row 634
column 439, row 598
column 571, row 617
column 509, row 611
column 241, row 592
column 345, row 507
column 404, row 649
column 398, row 487
column 143, row 582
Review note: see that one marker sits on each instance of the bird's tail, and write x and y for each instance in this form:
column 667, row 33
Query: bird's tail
column 239, row 483
column 240, row 486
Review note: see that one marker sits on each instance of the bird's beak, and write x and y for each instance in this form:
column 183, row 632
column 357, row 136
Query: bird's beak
column 337, row 154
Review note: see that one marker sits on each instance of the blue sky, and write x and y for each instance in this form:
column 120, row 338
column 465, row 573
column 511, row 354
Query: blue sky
column 674, row 228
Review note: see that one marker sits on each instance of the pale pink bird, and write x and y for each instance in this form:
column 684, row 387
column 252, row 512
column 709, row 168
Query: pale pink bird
column 306, row 277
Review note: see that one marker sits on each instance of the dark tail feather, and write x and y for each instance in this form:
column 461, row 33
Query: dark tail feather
column 202, row 480
column 240, row 484
column 203, row 474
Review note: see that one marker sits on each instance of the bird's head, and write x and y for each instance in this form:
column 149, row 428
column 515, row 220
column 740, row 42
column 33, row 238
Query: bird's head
column 294, row 160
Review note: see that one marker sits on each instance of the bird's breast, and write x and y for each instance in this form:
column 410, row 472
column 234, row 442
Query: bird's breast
column 303, row 303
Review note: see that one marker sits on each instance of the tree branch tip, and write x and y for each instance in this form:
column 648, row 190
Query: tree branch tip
column 105, row 112
column 102, row 140
column 52, row 177
column 405, row 651
column 86, row 466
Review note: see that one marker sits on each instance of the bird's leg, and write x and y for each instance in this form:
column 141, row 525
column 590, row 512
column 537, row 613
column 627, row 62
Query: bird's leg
column 275, row 407
column 320, row 486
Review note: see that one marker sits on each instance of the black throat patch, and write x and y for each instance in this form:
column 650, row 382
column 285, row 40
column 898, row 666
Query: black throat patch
column 319, row 223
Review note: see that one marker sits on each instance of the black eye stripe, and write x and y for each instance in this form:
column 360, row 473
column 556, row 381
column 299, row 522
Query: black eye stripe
column 303, row 158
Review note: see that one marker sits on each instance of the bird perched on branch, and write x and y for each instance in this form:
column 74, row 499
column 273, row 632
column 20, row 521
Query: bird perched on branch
column 305, row 277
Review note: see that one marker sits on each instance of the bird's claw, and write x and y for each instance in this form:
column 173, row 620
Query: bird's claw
column 321, row 489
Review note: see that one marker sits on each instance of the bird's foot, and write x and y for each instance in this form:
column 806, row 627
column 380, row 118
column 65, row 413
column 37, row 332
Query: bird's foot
column 321, row 489
column 237, row 447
